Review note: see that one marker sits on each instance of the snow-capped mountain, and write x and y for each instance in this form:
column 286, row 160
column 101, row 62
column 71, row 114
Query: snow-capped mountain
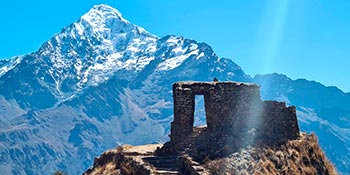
column 6, row 65
column 103, row 81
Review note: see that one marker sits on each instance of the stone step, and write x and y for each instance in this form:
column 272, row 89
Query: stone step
column 161, row 157
column 172, row 168
column 165, row 172
column 161, row 160
column 164, row 165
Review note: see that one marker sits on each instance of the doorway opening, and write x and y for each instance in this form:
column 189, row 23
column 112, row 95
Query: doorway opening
column 199, row 111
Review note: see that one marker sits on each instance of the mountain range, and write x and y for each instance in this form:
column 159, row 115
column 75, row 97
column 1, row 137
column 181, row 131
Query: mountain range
column 103, row 81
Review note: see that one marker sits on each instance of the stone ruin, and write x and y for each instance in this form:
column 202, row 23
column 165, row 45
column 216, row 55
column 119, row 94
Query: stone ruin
column 235, row 117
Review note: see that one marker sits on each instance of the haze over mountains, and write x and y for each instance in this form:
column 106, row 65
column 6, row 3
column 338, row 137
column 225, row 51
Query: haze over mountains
column 103, row 81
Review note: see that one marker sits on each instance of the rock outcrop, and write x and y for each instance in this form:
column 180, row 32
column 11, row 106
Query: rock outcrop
column 300, row 156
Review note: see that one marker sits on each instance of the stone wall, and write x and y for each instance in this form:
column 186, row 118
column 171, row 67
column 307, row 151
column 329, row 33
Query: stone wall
column 235, row 115
column 182, row 125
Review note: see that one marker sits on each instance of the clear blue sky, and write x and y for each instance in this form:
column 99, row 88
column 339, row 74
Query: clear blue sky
column 300, row 38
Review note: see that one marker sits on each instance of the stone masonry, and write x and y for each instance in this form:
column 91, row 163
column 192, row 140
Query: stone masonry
column 235, row 116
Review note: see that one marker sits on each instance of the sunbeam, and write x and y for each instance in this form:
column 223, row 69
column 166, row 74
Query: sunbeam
column 270, row 32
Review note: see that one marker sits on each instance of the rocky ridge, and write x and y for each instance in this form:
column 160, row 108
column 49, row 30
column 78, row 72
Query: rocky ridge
column 300, row 156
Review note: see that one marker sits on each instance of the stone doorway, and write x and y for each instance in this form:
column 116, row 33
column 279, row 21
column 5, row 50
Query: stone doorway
column 228, row 105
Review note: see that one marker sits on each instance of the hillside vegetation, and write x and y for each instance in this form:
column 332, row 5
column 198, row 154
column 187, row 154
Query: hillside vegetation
column 302, row 156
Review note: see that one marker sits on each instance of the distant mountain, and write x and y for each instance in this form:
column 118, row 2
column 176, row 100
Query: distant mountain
column 103, row 81
column 3, row 62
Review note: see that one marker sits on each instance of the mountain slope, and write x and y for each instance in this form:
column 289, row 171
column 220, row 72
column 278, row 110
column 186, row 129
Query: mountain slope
column 103, row 81
column 301, row 156
column 323, row 110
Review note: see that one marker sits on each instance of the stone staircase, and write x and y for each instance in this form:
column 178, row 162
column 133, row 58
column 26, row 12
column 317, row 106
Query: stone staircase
column 164, row 165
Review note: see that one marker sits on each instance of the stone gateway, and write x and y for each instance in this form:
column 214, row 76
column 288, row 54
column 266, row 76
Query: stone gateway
column 235, row 116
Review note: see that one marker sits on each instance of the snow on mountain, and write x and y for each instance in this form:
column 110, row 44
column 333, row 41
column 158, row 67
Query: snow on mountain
column 6, row 65
column 101, row 42
column 103, row 81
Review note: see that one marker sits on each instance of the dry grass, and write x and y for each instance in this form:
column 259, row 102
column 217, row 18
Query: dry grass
column 117, row 161
column 109, row 169
column 302, row 156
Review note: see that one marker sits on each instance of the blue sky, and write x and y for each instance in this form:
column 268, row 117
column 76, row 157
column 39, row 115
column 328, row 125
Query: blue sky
column 300, row 38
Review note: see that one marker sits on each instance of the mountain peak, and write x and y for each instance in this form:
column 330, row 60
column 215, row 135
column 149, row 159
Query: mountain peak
column 103, row 16
column 104, row 7
column 107, row 12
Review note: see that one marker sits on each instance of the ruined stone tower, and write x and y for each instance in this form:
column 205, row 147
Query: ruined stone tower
column 235, row 116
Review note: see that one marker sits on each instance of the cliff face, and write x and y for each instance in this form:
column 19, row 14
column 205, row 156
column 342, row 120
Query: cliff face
column 300, row 156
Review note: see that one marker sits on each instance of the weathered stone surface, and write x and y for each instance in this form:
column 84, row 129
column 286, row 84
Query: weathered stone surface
column 235, row 115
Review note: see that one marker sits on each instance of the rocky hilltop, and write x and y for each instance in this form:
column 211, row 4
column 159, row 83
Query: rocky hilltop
column 300, row 156
column 243, row 135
